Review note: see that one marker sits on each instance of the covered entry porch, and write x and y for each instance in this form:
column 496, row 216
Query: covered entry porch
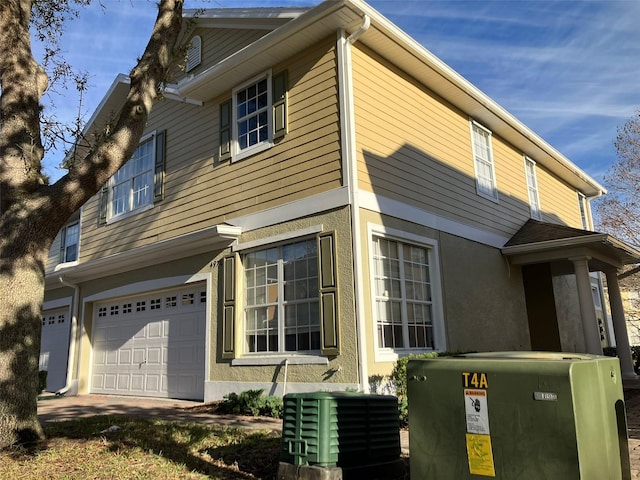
column 545, row 252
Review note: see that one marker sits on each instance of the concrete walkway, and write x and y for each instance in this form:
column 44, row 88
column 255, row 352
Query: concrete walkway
column 51, row 409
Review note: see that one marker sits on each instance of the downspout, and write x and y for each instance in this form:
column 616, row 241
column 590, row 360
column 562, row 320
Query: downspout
column 72, row 335
column 349, row 153
column 353, row 38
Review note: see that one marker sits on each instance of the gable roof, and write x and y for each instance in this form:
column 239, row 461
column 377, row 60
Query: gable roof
column 534, row 231
column 538, row 242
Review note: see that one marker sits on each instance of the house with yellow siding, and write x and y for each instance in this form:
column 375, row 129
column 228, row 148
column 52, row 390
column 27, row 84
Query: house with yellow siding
column 316, row 196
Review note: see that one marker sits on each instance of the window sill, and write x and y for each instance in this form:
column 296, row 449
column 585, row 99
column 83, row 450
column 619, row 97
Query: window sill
column 488, row 196
column 280, row 360
column 129, row 214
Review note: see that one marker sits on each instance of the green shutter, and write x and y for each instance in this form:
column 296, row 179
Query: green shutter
column 279, row 90
column 63, row 238
column 229, row 307
column 104, row 203
column 158, row 179
column 225, row 131
column 330, row 339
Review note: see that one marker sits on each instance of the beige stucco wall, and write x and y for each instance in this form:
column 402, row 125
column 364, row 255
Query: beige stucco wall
column 342, row 369
column 483, row 301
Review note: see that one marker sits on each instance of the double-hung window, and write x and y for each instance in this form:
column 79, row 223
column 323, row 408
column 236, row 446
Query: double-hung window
column 483, row 161
column 139, row 183
column 403, row 290
column 70, row 240
column 252, row 117
column 584, row 211
column 282, row 299
column 532, row 188
column 131, row 188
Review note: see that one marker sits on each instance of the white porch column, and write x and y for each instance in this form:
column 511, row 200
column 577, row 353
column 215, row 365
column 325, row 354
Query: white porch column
column 619, row 325
column 587, row 307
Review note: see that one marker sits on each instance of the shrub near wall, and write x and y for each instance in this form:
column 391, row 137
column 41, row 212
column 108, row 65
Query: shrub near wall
column 398, row 379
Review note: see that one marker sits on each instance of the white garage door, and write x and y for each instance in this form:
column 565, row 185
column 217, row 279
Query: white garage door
column 151, row 345
column 54, row 347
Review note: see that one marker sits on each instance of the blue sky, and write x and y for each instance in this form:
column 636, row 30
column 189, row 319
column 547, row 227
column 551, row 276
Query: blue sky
column 569, row 70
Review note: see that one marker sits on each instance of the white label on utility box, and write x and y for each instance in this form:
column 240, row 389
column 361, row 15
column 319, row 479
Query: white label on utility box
column 477, row 413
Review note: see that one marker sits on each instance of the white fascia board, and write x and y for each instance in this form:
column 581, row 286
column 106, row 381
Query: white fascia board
column 557, row 243
column 207, row 239
column 243, row 18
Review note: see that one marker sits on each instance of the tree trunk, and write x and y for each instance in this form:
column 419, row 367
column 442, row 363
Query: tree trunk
column 21, row 297
column 32, row 213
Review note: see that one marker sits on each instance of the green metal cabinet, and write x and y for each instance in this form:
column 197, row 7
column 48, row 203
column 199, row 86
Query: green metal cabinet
column 517, row 416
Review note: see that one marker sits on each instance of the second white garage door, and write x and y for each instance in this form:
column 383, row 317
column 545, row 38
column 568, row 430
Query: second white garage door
column 151, row 345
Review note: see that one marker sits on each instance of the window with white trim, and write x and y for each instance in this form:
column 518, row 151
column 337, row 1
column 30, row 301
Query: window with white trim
column 252, row 117
column 70, row 240
column 403, row 303
column 532, row 188
column 584, row 209
column 132, row 187
column 282, row 299
column 483, row 162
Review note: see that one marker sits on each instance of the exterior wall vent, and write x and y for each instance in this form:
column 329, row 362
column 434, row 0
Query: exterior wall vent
column 194, row 53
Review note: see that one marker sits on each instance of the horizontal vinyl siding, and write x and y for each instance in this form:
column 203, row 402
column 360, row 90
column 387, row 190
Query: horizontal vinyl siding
column 54, row 254
column 201, row 192
column 558, row 201
column 415, row 148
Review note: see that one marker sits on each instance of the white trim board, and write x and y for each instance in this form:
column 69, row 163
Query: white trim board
column 394, row 208
column 312, row 205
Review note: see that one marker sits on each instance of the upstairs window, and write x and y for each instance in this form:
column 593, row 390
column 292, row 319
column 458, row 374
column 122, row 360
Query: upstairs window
column 584, row 209
column 532, row 187
column 70, row 238
column 132, row 185
column 139, row 182
column 252, row 117
column 483, row 161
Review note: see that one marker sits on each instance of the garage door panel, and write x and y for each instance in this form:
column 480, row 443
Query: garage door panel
column 54, row 347
column 137, row 383
column 154, row 356
column 125, row 357
column 159, row 343
column 155, row 330
column 124, row 380
column 110, row 381
column 112, row 358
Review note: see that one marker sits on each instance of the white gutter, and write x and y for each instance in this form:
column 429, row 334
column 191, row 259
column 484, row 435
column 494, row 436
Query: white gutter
column 72, row 336
column 349, row 159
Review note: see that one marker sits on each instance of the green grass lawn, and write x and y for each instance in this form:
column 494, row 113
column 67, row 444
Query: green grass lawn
column 144, row 449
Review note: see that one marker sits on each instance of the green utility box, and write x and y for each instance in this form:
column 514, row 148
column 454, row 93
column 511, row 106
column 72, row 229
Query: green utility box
column 517, row 415
column 350, row 431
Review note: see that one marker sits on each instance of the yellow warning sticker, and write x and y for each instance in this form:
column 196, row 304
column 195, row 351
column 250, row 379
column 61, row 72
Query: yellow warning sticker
column 480, row 455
